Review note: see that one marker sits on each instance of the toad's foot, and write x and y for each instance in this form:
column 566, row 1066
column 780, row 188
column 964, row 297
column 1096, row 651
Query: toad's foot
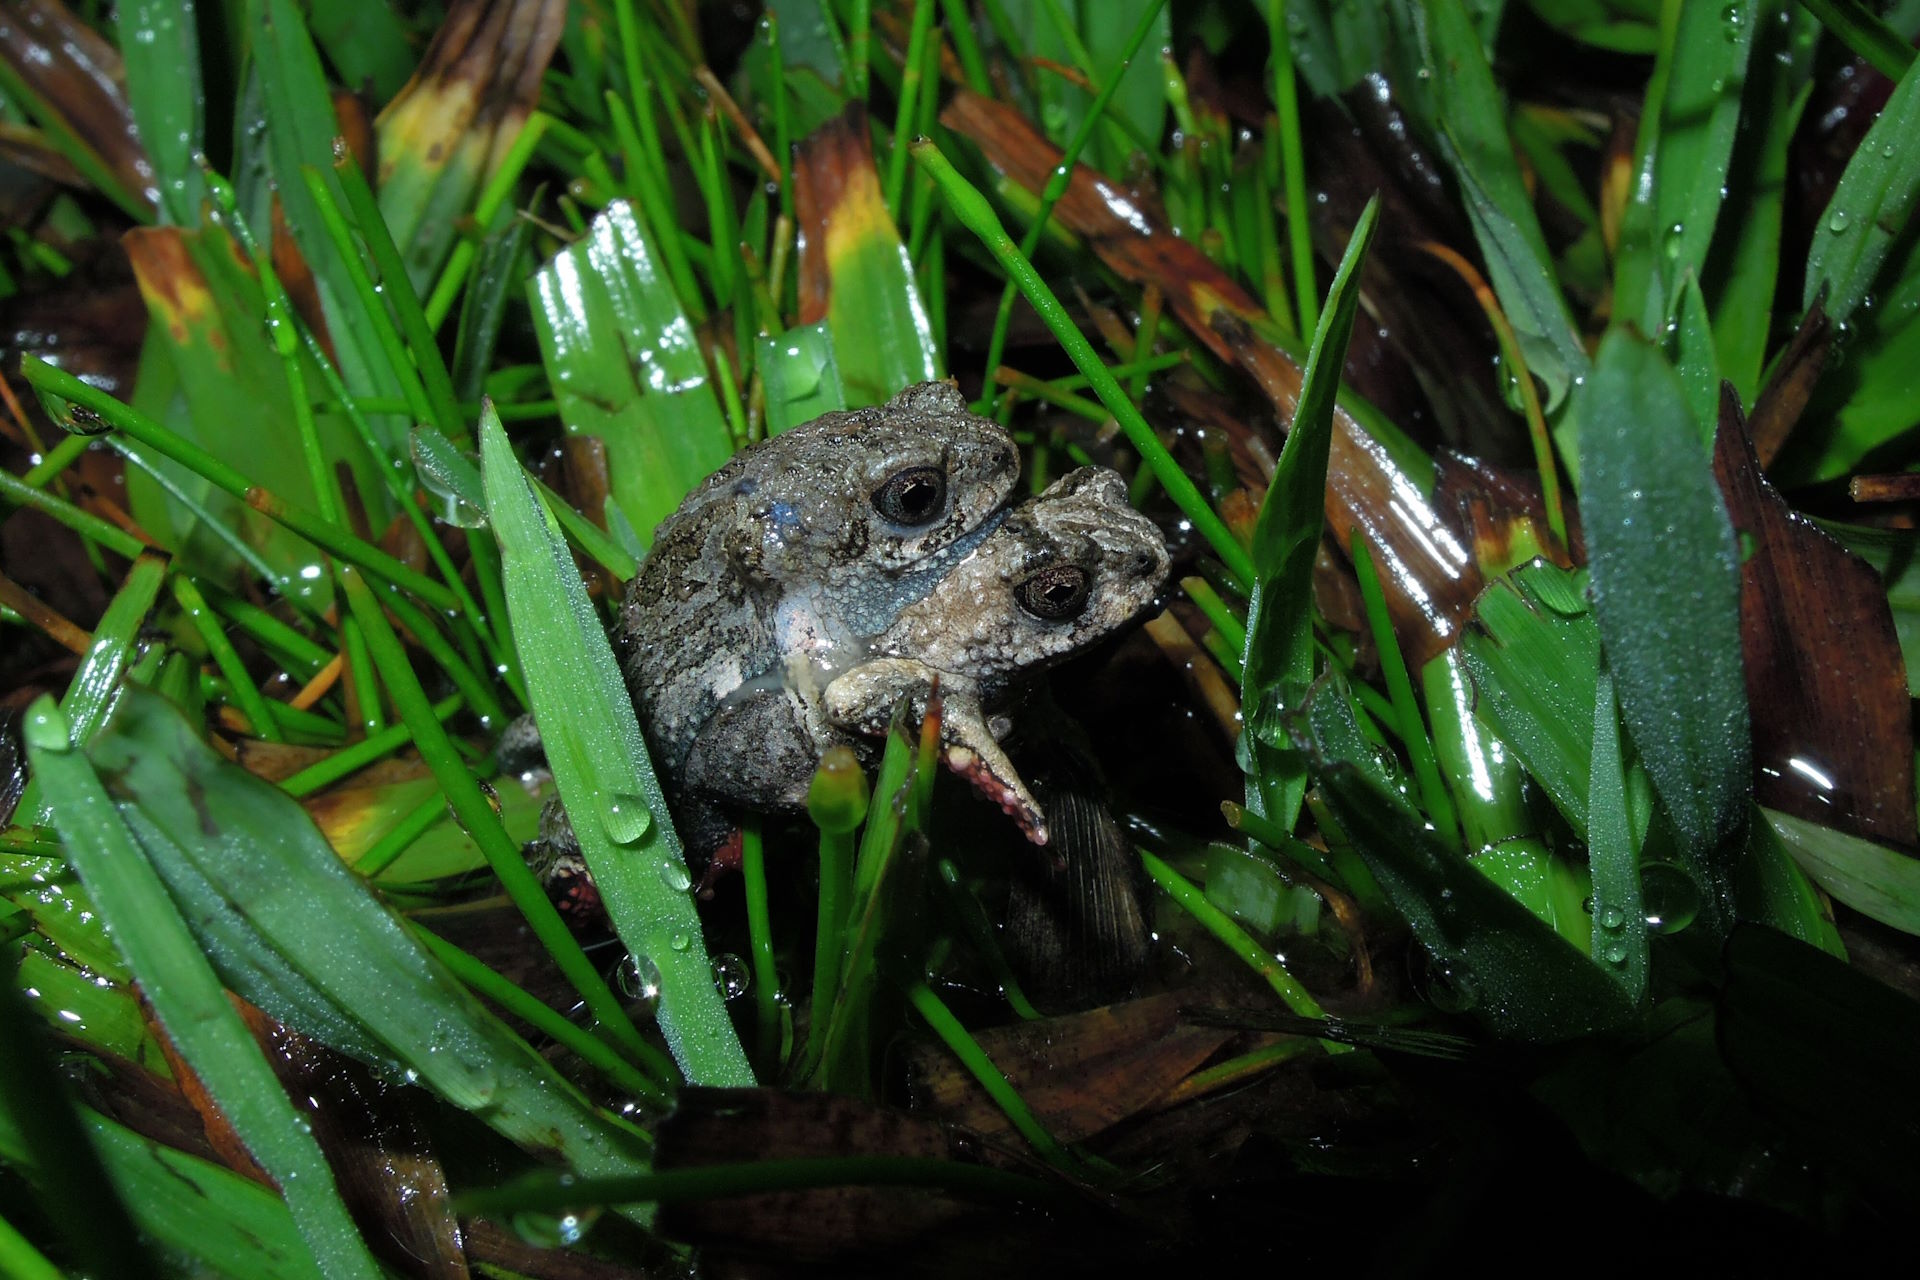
column 862, row 701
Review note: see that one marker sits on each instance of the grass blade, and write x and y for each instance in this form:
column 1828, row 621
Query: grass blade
column 626, row 366
column 269, row 872
column 600, row 761
column 1870, row 206
column 160, row 45
column 1279, row 643
column 187, row 997
column 1666, row 590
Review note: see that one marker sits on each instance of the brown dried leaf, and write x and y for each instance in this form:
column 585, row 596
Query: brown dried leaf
column 1826, row 684
column 1081, row 1074
column 729, row 1126
column 79, row 78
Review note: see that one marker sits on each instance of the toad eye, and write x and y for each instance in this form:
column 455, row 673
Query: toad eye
column 1057, row 592
column 912, row 497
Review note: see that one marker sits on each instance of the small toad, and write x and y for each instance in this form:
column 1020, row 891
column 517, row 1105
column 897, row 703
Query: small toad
column 1063, row 570
column 819, row 578
column 773, row 575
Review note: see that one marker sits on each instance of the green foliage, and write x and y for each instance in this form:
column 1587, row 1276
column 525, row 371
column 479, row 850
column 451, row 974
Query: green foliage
column 599, row 759
column 1666, row 596
column 1546, row 803
column 1278, row 657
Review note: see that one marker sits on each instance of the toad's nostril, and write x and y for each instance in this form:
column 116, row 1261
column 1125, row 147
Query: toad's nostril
column 1143, row 564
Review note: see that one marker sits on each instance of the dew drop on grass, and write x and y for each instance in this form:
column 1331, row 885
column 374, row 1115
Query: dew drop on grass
column 673, row 874
column 1612, row 918
column 1837, row 221
column 548, row 1230
column 679, row 942
column 1669, row 897
column 730, row 976
column 639, row 979
column 625, row 818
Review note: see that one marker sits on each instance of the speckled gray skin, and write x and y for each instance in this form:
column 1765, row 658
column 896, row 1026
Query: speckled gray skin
column 774, row 575
column 1063, row 570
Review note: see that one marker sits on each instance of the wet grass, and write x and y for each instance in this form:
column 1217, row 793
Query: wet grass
column 400, row 429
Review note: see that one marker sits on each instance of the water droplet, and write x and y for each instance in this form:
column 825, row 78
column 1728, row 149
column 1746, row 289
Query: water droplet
column 679, row 942
column 1615, row 953
column 1837, row 221
column 1612, row 918
column 673, row 874
column 548, row 1230
column 638, row 979
column 1675, row 234
column 731, row 977
column 625, row 818
column 1669, row 897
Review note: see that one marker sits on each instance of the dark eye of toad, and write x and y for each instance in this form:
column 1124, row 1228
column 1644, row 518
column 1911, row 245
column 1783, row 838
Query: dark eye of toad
column 1056, row 592
column 912, row 497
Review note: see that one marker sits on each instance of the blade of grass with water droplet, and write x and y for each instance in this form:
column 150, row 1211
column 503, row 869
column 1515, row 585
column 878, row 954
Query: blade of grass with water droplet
column 187, row 997
column 600, row 761
column 1742, row 275
column 160, row 47
column 300, row 126
column 626, row 366
column 1686, row 139
column 1512, row 971
column 1666, row 589
column 1870, row 207
column 1534, row 654
column 245, row 854
column 209, row 319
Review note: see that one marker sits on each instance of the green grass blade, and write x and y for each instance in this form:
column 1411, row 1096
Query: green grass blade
column 1286, row 534
column 40, row 1128
column 187, row 997
column 367, row 44
column 1613, row 851
column 97, row 680
column 73, row 400
column 160, row 45
column 626, row 366
column 1534, row 654
column 978, row 216
column 1872, row 879
column 1865, row 33
column 600, row 761
column 1686, row 139
column 1666, row 589
column 1743, row 273
column 200, row 1212
column 1502, row 963
column 1472, row 123
column 1869, row 208
column 300, row 127
column 257, row 851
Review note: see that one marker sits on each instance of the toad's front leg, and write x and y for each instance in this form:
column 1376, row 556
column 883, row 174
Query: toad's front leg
column 862, row 701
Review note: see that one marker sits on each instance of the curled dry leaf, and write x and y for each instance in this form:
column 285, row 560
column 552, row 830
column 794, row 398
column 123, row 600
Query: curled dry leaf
column 1826, row 683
